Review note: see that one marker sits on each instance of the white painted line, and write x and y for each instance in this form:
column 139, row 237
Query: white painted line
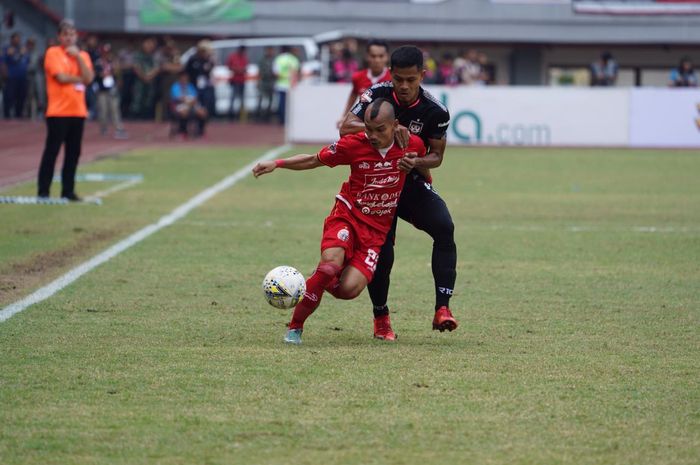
column 115, row 188
column 68, row 278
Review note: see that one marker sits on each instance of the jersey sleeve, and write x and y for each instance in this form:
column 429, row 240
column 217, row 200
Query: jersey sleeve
column 438, row 124
column 86, row 59
column 338, row 153
column 376, row 91
column 52, row 63
column 415, row 144
column 356, row 82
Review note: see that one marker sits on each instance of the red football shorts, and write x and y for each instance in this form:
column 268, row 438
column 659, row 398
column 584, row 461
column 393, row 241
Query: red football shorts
column 361, row 244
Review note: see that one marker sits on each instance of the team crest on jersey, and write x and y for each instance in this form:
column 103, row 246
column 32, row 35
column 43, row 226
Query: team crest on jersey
column 415, row 127
column 333, row 147
column 343, row 235
column 366, row 96
column 364, row 165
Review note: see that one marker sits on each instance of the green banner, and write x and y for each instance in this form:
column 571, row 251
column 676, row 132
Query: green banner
column 163, row 12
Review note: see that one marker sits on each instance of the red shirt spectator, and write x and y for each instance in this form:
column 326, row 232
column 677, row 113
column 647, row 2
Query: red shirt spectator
column 238, row 64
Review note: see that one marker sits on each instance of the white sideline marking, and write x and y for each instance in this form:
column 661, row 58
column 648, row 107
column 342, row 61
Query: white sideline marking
column 115, row 188
column 71, row 276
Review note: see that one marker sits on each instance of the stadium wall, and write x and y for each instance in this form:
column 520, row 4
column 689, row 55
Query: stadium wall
column 528, row 116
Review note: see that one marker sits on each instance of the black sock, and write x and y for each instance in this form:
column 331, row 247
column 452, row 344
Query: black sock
column 443, row 264
column 380, row 310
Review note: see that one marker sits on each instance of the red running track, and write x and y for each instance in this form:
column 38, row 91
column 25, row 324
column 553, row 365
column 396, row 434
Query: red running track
column 22, row 142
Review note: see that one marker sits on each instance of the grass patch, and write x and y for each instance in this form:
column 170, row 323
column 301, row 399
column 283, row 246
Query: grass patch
column 577, row 295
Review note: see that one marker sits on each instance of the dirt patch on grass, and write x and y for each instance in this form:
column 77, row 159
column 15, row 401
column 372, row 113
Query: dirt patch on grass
column 20, row 278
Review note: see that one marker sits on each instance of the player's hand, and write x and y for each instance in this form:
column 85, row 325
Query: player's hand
column 401, row 136
column 264, row 167
column 408, row 162
column 73, row 51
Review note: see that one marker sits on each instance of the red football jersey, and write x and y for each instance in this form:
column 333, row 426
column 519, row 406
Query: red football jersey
column 363, row 80
column 373, row 189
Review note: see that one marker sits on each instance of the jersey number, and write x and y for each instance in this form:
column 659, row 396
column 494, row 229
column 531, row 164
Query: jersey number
column 371, row 260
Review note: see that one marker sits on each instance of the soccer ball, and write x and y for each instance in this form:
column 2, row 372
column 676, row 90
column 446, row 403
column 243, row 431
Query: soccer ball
column 284, row 287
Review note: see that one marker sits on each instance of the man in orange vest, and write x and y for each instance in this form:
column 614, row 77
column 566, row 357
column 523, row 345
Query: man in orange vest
column 68, row 72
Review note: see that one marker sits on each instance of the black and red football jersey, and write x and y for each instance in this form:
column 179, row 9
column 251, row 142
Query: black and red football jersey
column 427, row 117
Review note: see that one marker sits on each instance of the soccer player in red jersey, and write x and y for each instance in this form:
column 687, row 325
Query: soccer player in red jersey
column 421, row 114
column 364, row 209
column 377, row 71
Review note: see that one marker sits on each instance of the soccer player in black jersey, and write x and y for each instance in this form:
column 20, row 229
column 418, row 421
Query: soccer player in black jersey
column 422, row 114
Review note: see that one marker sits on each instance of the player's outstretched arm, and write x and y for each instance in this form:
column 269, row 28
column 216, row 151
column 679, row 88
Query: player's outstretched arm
column 302, row 161
column 348, row 105
column 351, row 125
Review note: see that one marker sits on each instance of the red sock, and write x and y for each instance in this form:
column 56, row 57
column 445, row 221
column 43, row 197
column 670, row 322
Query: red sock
column 314, row 291
column 333, row 286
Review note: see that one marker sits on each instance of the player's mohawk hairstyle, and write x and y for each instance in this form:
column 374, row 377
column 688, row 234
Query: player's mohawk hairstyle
column 376, row 106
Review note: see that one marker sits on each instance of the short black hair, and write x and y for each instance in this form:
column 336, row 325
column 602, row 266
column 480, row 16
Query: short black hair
column 377, row 43
column 65, row 24
column 407, row 56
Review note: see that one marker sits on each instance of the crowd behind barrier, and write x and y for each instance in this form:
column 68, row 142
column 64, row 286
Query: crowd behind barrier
column 137, row 80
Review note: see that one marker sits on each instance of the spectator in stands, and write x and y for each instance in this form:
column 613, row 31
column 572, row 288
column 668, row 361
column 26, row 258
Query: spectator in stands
column 447, row 73
column 488, row 73
column 469, row 68
column 16, row 62
column 286, row 68
column 345, row 66
column 35, row 100
column 170, row 66
column 68, row 71
column 199, row 68
column 604, row 71
column 145, row 69
column 266, row 84
column 127, row 78
column 185, row 105
column 108, row 93
column 431, row 68
column 92, row 47
column 238, row 64
column 684, row 75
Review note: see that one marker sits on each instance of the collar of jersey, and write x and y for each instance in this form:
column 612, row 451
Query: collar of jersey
column 396, row 99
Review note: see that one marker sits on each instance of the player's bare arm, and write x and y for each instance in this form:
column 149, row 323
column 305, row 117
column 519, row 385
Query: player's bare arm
column 348, row 105
column 86, row 74
column 351, row 124
column 302, row 161
column 432, row 159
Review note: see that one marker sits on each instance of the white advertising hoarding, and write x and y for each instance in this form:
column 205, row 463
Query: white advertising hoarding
column 665, row 118
column 528, row 116
column 536, row 116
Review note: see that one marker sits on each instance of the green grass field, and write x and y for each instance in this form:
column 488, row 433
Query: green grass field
column 578, row 296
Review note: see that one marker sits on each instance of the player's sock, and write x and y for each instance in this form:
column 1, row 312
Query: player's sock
column 444, row 266
column 380, row 310
column 323, row 275
column 333, row 286
column 378, row 288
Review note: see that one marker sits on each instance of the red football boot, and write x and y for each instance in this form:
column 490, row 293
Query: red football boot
column 382, row 329
column 444, row 320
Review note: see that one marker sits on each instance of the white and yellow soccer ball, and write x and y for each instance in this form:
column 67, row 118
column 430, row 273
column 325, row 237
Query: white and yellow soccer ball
column 284, row 287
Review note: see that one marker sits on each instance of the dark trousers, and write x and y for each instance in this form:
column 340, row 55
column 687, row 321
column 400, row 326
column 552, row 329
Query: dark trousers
column 60, row 130
column 281, row 106
column 14, row 95
column 237, row 94
column 421, row 206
